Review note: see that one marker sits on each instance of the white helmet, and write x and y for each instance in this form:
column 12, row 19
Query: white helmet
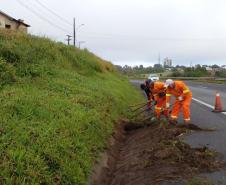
column 168, row 83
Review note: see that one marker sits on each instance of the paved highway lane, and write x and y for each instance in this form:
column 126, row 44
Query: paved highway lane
column 207, row 92
column 202, row 115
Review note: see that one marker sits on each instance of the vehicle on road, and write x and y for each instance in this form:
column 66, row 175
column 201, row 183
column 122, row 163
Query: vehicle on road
column 153, row 77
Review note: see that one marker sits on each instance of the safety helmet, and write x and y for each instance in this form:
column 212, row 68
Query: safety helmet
column 169, row 83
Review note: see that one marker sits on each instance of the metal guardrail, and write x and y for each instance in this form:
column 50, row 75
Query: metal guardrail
column 195, row 78
column 185, row 78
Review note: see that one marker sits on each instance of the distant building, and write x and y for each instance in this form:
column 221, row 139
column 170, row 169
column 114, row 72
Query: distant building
column 180, row 69
column 157, row 66
column 209, row 69
column 168, row 69
column 8, row 22
column 212, row 70
column 167, row 62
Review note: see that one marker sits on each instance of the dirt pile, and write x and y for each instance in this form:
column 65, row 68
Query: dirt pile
column 145, row 155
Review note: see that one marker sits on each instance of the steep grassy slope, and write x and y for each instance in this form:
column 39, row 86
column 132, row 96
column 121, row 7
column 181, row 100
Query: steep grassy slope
column 58, row 106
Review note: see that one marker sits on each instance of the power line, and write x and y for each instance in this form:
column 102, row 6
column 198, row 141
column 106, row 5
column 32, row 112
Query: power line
column 53, row 12
column 47, row 14
column 127, row 37
column 41, row 16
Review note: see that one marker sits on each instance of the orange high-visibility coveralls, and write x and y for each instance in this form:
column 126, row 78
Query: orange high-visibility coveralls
column 180, row 90
column 158, row 92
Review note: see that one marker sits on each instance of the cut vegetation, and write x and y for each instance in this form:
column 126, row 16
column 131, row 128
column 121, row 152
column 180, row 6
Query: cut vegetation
column 58, row 108
column 150, row 155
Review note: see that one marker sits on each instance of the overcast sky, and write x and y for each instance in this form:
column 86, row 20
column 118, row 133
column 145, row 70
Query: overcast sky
column 133, row 32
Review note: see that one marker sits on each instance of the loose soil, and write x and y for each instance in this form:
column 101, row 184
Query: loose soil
column 144, row 154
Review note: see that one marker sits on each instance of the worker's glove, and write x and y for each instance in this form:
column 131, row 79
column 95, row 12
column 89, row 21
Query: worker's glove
column 180, row 98
column 167, row 105
column 162, row 94
column 148, row 109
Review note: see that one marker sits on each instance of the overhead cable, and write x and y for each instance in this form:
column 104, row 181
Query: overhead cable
column 53, row 13
column 40, row 16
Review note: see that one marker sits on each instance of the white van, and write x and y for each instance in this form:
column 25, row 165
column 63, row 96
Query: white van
column 153, row 77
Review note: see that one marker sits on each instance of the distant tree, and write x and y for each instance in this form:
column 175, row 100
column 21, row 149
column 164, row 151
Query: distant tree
column 141, row 67
column 157, row 66
column 183, row 67
column 198, row 66
column 215, row 66
column 174, row 69
column 221, row 74
column 119, row 68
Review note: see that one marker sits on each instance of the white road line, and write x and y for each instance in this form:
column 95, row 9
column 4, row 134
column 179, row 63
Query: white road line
column 206, row 104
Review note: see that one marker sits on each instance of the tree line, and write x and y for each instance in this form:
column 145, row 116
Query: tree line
column 177, row 71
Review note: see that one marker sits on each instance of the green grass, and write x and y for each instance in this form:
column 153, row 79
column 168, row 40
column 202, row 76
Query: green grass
column 58, row 108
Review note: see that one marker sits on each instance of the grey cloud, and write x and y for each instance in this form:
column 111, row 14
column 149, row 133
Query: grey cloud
column 135, row 31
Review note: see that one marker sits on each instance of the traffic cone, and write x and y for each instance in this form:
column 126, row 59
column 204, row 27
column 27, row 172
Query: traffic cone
column 218, row 105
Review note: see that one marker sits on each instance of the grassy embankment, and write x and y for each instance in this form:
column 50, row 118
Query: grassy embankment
column 58, row 106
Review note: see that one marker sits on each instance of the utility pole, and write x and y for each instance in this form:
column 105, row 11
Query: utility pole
column 74, row 32
column 159, row 59
column 80, row 42
column 75, row 29
column 68, row 39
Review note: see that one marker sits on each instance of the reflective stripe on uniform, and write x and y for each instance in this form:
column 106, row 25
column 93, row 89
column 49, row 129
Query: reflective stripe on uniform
column 188, row 119
column 174, row 117
column 186, row 91
column 168, row 94
column 158, row 108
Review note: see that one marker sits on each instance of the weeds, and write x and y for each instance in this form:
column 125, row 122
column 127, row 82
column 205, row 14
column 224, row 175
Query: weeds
column 58, row 106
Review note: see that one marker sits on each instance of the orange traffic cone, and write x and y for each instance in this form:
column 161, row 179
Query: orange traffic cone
column 218, row 105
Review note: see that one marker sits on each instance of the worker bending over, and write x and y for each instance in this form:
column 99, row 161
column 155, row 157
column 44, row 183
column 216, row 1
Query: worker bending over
column 183, row 97
column 145, row 87
column 159, row 95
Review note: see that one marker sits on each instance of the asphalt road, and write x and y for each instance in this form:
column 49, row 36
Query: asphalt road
column 202, row 115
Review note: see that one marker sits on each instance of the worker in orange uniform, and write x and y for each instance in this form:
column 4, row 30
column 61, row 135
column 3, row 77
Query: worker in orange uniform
column 159, row 95
column 183, row 97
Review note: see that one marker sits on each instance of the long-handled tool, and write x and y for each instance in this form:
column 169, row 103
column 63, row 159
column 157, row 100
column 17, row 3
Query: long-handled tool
column 134, row 110
column 152, row 104
column 139, row 104
column 148, row 117
column 138, row 108
column 142, row 111
column 139, row 113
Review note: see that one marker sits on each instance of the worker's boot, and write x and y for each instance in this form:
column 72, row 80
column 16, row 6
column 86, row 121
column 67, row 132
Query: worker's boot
column 187, row 122
column 154, row 120
column 173, row 122
column 166, row 113
column 164, row 122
